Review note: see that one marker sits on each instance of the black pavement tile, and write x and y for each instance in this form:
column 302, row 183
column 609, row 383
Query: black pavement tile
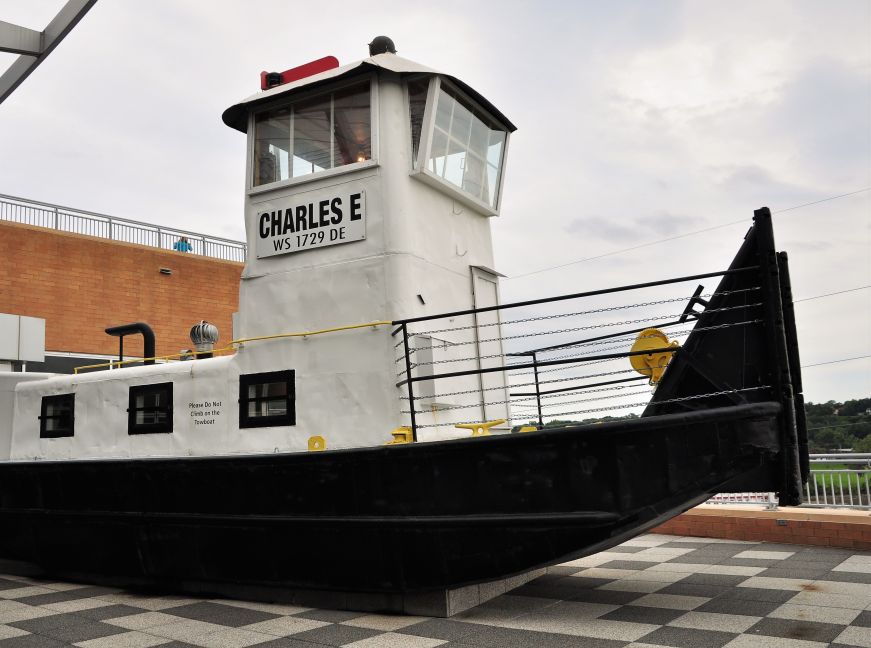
column 45, row 624
column 638, row 614
column 723, row 605
column 677, row 544
column 226, row 615
column 283, row 642
column 559, row 570
column 687, row 638
column 694, row 589
column 792, row 629
column 493, row 637
column 109, row 612
column 622, row 549
column 566, row 588
column 440, row 629
column 82, row 632
column 759, row 594
column 609, row 597
column 787, row 571
column 330, row 616
column 32, row 641
column 6, row 584
column 863, row 620
column 720, row 580
column 336, row 635
column 65, row 595
column 519, row 604
column 703, row 559
column 750, row 562
column 846, row 577
column 626, row 564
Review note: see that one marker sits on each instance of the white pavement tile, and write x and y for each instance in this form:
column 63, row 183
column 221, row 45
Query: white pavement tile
column 63, row 587
column 626, row 585
column 713, row 540
column 671, row 601
column 858, row 564
column 835, row 587
column 598, row 559
column 785, row 584
column 824, row 599
column 285, row 626
column 657, row 576
column 272, row 608
column 125, row 640
column 842, row 616
column 154, row 603
column 765, row 555
column 24, row 613
column 577, row 610
column 855, row 636
column 28, row 590
column 604, row 572
column 711, row 621
column 77, row 605
column 762, row 641
column 649, row 540
column 231, row 638
column 142, row 621
column 188, row 630
column 486, row 616
column 596, row 628
column 384, row 622
column 681, row 568
column 7, row 632
column 732, row 570
column 394, row 640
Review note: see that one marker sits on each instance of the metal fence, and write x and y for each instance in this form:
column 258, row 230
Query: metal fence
column 78, row 221
column 847, row 484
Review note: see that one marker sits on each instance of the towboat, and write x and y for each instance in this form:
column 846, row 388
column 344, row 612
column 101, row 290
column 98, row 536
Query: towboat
column 377, row 425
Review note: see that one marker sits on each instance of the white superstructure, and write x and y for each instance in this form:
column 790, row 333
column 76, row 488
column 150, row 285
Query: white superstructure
column 369, row 190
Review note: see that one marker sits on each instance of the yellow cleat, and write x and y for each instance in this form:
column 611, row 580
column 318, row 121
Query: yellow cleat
column 479, row 429
column 401, row 435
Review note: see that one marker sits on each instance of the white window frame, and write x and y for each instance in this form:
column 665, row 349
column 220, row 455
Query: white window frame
column 419, row 168
column 326, row 173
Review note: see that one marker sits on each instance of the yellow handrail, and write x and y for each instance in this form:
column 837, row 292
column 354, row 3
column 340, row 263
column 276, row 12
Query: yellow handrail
column 230, row 344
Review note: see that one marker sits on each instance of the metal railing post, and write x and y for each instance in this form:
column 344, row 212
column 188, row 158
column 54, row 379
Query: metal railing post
column 55, row 218
column 537, row 389
column 410, row 382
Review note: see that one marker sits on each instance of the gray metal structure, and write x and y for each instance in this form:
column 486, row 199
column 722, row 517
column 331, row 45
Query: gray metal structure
column 34, row 46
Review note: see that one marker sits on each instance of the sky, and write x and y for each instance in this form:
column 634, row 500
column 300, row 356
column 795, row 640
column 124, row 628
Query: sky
column 637, row 121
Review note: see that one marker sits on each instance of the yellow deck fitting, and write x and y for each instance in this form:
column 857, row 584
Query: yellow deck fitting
column 652, row 365
column 401, row 435
column 479, row 429
column 528, row 428
column 317, row 443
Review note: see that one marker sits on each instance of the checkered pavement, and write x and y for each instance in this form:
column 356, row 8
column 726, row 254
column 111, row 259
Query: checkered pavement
column 651, row 591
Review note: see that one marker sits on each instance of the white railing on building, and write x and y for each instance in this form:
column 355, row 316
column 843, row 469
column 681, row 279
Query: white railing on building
column 846, row 486
column 79, row 221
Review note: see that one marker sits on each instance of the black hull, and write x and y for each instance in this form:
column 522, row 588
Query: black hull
column 396, row 519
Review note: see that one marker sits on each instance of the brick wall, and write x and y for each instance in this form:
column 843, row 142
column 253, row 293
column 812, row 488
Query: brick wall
column 80, row 285
column 822, row 527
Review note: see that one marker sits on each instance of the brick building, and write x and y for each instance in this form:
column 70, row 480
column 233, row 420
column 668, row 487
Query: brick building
column 82, row 284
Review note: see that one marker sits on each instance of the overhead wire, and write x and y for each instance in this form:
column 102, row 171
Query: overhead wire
column 679, row 236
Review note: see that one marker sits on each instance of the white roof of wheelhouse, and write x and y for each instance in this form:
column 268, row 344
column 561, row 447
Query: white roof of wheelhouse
column 236, row 116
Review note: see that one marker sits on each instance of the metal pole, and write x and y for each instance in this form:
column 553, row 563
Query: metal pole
column 410, row 382
column 537, row 389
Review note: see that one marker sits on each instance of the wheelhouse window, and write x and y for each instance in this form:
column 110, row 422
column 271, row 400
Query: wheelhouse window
column 57, row 416
column 267, row 399
column 466, row 146
column 150, row 409
column 326, row 131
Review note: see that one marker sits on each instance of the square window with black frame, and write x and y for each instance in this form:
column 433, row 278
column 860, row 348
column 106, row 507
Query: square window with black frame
column 267, row 399
column 57, row 416
column 150, row 409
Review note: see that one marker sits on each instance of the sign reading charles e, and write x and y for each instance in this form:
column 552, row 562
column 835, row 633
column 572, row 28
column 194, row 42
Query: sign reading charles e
column 298, row 224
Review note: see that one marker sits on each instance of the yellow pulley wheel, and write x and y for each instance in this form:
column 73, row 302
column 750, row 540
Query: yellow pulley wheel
column 651, row 365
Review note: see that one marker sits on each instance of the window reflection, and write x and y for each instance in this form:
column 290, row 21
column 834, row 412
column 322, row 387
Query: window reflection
column 324, row 132
column 466, row 148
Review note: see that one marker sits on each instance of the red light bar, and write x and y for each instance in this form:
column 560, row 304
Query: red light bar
column 301, row 71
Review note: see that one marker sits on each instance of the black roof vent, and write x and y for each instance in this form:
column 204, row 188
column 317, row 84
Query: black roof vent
column 381, row 45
